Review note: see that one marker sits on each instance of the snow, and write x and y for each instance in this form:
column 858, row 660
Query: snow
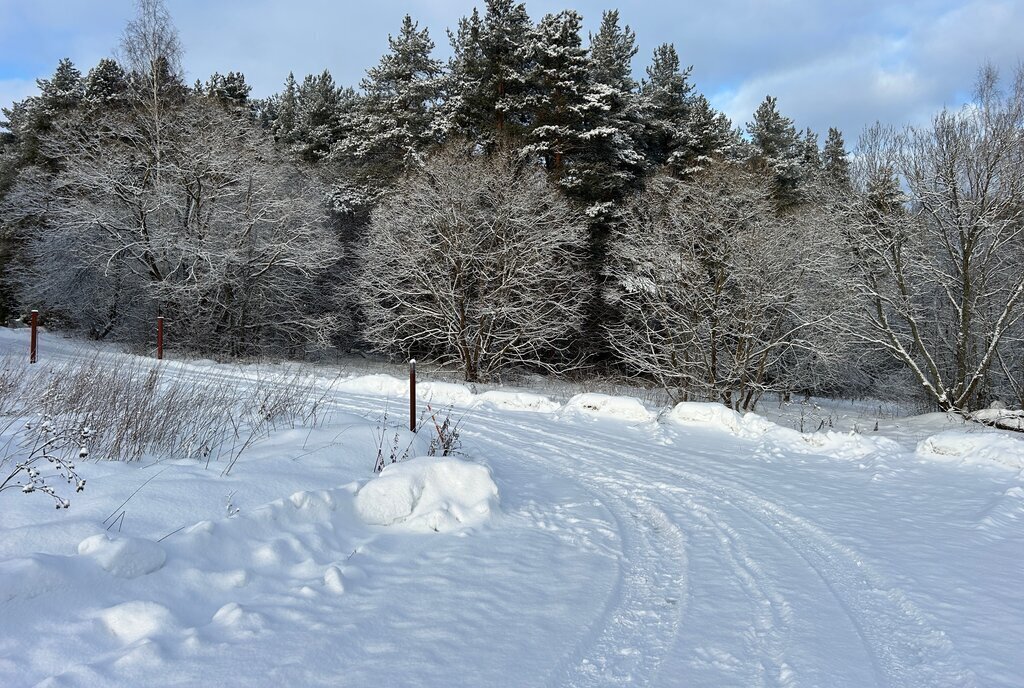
column 429, row 494
column 976, row 448
column 124, row 557
column 607, row 406
column 600, row 542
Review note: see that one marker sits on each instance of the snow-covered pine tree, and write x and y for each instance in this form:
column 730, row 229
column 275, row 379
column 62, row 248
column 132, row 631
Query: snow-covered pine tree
column 776, row 151
column 284, row 121
column 710, row 137
column 611, row 163
column 106, row 84
column 323, row 113
column 61, row 92
column 665, row 95
column 562, row 98
column 395, row 121
column 489, row 79
column 229, row 90
column 835, row 160
column 810, row 154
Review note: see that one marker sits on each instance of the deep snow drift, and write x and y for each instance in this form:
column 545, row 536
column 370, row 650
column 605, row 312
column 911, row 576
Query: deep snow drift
column 587, row 541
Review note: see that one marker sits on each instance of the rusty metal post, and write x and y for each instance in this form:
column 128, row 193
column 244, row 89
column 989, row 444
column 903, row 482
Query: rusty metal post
column 160, row 338
column 33, row 339
column 412, row 394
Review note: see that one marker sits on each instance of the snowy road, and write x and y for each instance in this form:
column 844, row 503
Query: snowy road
column 629, row 549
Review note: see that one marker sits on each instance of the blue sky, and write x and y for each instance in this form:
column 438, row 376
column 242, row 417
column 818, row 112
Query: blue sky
column 830, row 63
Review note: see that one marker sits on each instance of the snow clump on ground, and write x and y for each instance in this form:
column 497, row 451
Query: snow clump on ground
column 429, row 494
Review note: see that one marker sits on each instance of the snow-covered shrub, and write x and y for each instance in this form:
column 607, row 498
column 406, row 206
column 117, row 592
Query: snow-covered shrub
column 40, row 457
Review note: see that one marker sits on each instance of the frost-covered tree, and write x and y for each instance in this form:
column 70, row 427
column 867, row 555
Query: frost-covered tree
column 776, row 151
column 153, row 53
column 835, row 162
column 611, row 162
column 228, row 89
column 666, row 105
column 396, row 120
column 562, row 99
column 489, row 75
column 322, row 116
column 472, row 261
column 942, row 275
column 60, row 93
column 228, row 241
column 719, row 299
column 106, row 84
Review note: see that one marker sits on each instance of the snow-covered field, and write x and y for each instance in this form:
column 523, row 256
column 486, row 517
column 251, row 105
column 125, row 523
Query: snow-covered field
column 584, row 542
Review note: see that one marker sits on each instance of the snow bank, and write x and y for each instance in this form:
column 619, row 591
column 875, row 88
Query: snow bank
column 754, row 427
column 607, row 406
column 983, row 448
column 518, row 401
column 435, row 393
column 1001, row 418
column 138, row 619
column 124, row 557
column 429, row 493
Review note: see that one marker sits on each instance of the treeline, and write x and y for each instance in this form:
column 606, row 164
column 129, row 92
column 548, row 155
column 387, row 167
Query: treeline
column 527, row 205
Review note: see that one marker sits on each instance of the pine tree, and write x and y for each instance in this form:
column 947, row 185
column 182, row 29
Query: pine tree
column 490, row 71
column 611, row 163
column 62, row 92
column 810, row 155
column 396, row 119
column 562, row 100
column 776, row 151
column 835, row 160
column 323, row 113
column 229, row 90
column 106, row 84
column 666, row 105
column 709, row 137
column 287, row 103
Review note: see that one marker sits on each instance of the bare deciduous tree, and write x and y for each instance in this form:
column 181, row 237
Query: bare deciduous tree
column 942, row 270
column 473, row 260
column 719, row 299
column 229, row 241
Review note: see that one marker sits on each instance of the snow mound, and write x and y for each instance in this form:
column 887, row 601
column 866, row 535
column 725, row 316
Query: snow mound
column 436, row 393
column 1001, row 418
column 375, row 385
column 518, row 401
column 983, row 448
column 138, row 619
column 607, row 406
column 124, row 557
column 708, row 415
column 428, row 493
column 754, row 427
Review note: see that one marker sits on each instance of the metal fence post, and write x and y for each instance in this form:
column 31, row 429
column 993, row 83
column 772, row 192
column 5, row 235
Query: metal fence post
column 33, row 340
column 160, row 338
column 412, row 395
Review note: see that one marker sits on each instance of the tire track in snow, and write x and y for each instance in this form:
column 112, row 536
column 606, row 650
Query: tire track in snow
column 905, row 648
column 767, row 638
column 639, row 625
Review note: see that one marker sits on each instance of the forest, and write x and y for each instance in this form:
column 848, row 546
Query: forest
column 526, row 206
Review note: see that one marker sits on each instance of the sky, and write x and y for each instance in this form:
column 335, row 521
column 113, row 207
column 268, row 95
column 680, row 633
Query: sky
column 829, row 62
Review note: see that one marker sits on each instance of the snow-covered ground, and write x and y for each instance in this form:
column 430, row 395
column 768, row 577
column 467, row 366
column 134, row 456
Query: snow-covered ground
column 589, row 541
